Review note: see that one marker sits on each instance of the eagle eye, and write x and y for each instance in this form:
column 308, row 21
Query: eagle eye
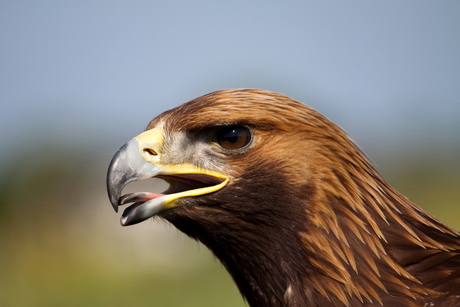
column 233, row 137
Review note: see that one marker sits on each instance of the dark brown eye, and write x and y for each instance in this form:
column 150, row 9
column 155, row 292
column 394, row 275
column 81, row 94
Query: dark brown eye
column 233, row 137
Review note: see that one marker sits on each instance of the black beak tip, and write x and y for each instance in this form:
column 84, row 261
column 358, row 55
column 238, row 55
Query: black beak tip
column 113, row 199
column 114, row 194
column 114, row 203
column 115, row 207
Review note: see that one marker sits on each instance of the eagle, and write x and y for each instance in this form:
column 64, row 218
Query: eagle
column 293, row 209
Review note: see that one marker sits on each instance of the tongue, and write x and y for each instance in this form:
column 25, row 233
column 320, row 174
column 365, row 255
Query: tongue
column 150, row 196
column 139, row 197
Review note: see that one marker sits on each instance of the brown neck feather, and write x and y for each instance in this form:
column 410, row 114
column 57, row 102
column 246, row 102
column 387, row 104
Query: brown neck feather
column 373, row 244
column 357, row 244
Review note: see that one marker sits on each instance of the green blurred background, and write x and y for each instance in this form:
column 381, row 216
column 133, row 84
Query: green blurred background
column 79, row 79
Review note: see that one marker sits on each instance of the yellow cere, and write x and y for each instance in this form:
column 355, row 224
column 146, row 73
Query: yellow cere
column 153, row 140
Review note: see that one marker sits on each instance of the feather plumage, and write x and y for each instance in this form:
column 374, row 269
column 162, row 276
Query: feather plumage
column 306, row 220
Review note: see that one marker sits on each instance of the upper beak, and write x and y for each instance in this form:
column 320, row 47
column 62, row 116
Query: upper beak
column 140, row 159
column 126, row 166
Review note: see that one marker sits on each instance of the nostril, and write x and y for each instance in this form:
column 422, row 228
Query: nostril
column 150, row 151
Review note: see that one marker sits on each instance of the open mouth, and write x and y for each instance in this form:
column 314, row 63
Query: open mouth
column 139, row 159
column 147, row 204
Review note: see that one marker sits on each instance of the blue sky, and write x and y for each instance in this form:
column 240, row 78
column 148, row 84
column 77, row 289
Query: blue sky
column 386, row 71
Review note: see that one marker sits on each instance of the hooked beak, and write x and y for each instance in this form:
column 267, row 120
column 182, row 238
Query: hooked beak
column 140, row 159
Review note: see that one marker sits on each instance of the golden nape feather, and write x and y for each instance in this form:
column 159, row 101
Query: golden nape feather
column 288, row 203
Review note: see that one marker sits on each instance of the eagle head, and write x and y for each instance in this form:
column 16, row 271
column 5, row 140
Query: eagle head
column 289, row 204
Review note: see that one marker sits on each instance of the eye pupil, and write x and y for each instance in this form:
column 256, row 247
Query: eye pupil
column 233, row 137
